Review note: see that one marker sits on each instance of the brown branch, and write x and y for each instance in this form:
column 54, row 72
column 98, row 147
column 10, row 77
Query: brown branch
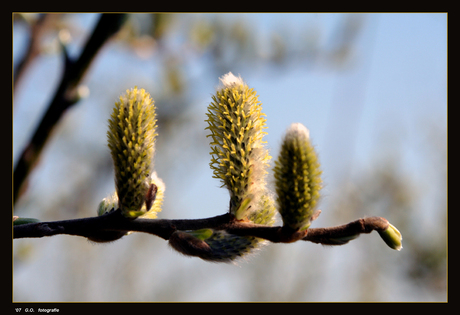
column 93, row 227
column 342, row 234
column 64, row 97
column 113, row 226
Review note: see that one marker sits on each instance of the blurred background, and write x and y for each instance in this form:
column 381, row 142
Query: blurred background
column 371, row 88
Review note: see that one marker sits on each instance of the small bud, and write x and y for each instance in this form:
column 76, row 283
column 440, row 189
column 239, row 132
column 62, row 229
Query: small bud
column 298, row 180
column 202, row 234
column 392, row 237
column 157, row 200
column 108, row 204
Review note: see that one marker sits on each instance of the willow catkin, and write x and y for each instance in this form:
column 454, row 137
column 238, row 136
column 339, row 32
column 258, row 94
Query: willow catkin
column 297, row 178
column 239, row 157
column 240, row 161
column 131, row 137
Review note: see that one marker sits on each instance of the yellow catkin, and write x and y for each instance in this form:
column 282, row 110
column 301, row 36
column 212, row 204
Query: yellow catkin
column 131, row 139
column 239, row 160
column 239, row 157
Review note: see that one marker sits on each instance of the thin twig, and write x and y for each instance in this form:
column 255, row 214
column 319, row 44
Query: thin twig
column 342, row 234
column 114, row 221
column 164, row 228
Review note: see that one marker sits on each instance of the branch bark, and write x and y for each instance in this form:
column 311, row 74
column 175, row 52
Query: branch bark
column 342, row 234
column 164, row 228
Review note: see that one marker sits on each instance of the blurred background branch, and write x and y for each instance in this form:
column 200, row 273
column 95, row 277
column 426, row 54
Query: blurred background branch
column 67, row 93
column 33, row 48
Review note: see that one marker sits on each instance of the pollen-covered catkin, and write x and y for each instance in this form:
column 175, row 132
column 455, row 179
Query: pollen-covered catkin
column 131, row 137
column 240, row 161
column 239, row 157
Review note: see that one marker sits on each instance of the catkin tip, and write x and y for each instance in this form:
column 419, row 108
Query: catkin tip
column 297, row 130
column 229, row 80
